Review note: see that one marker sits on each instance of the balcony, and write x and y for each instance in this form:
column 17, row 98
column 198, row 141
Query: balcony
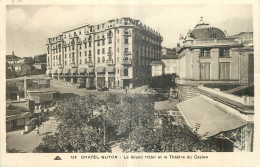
column 127, row 62
column 60, row 65
column 127, row 33
column 109, row 53
column 109, row 35
column 73, row 65
column 110, row 62
column 127, row 52
column 89, row 55
column 90, row 64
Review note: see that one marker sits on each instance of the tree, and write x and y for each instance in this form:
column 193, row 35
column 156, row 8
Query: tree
column 75, row 133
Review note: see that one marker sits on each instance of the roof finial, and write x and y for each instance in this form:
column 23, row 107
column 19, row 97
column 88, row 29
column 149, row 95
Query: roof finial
column 201, row 18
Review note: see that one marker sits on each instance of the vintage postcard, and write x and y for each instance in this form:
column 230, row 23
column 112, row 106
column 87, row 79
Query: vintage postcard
column 129, row 83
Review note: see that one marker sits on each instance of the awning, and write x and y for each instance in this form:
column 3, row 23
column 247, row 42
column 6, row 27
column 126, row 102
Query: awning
column 82, row 70
column 20, row 115
column 48, row 71
column 54, row 71
column 73, row 70
column 111, row 69
column 91, row 70
column 66, row 71
column 210, row 119
column 100, row 69
column 60, row 71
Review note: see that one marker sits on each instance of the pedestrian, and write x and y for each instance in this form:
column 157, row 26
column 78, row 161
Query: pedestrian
column 37, row 131
column 126, row 90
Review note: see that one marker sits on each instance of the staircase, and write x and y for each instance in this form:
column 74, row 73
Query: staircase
column 49, row 126
column 189, row 92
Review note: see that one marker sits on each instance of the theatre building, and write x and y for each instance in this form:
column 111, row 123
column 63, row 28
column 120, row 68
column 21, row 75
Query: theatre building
column 216, row 85
column 113, row 54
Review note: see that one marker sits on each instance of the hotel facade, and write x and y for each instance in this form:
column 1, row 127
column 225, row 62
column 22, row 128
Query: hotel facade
column 112, row 54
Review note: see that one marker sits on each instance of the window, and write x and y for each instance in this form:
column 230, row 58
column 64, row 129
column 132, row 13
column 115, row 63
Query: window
column 85, row 53
column 118, row 31
column 98, row 51
column 98, row 43
column 89, row 44
column 109, row 40
column 65, row 49
column 65, row 56
column 224, row 53
column 79, row 54
column 53, row 57
column 126, row 50
column 53, row 51
column 80, row 46
column 69, row 48
column 205, row 71
column 98, row 27
column 103, row 50
column 126, row 72
column 86, row 60
column 48, row 51
column 72, row 47
column 117, row 40
column 117, row 50
column 80, row 61
column 85, row 45
column 79, row 32
column 65, row 63
column 126, row 40
column 103, row 26
column 205, row 53
column 70, row 55
column 98, row 59
column 53, row 63
column 103, row 42
column 224, row 71
column 103, row 59
column 89, row 53
column 89, row 59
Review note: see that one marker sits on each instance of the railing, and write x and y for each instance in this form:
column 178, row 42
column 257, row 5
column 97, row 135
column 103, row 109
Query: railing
column 109, row 53
column 126, row 33
column 90, row 64
column 216, row 41
column 109, row 62
column 127, row 52
column 60, row 66
column 127, row 62
column 73, row 65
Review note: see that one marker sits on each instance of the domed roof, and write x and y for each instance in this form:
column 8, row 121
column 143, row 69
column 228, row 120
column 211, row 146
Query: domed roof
column 203, row 31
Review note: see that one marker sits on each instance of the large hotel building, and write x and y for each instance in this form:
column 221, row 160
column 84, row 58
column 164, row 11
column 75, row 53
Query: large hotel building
column 112, row 54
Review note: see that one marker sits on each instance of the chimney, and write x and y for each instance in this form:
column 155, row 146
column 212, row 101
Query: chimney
column 13, row 53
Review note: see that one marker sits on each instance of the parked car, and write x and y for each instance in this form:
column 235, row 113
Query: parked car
column 91, row 88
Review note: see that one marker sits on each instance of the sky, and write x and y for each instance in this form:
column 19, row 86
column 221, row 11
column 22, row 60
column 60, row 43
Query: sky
column 28, row 27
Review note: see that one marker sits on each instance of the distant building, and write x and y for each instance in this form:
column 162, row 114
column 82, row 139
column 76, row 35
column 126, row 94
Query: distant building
column 168, row 51
column 12, row 59
column 157, row 68
column 208, row 55
column 22, row 69
column 167, row 65
column 114, row 54
column 40, row 66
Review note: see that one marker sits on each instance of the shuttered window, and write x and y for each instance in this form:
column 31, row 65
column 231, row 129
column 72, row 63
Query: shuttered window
column 224, row 71
column 205, row 71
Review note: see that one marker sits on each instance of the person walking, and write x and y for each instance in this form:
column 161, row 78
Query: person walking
column 37, row 130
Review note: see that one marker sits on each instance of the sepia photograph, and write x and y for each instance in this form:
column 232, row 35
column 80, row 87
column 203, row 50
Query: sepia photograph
column 128, row 79
column 129, row 83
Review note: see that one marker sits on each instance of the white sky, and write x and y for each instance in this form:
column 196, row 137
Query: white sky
column 28, row 27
